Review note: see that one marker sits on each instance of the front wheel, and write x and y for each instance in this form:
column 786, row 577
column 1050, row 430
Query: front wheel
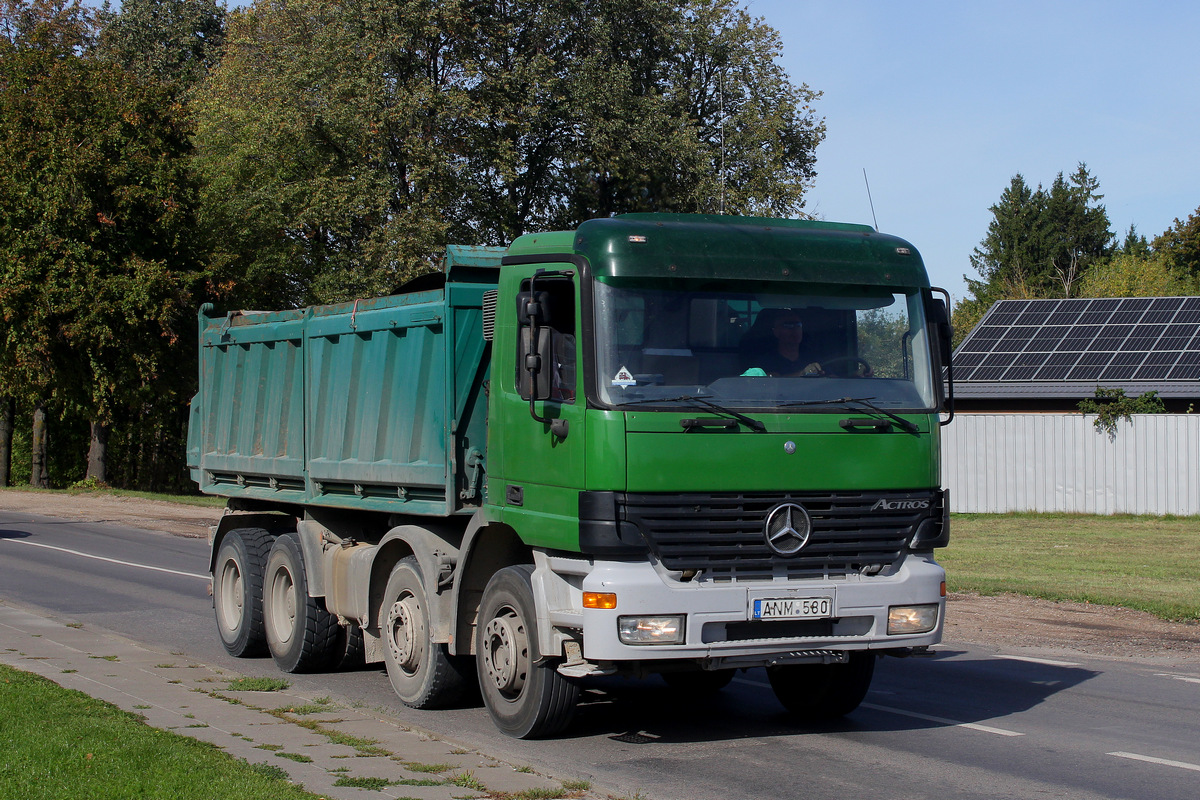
column 524, row 693
column 422, row 672
column 823, row 692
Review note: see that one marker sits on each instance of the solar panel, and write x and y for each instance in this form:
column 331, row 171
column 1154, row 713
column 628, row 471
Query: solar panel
column 1084, row 339
column 1057, row 366
column 1047, row 338
column 1187, row 368
column 1156, row 366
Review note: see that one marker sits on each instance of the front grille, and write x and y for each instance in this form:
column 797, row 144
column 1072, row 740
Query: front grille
column 721, row 535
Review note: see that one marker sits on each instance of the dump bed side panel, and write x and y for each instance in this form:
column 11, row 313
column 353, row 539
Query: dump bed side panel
column 247, row 422
column 376, row 398
column 376, row 405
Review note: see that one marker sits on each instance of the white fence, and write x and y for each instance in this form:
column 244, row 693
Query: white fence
column 994, row 463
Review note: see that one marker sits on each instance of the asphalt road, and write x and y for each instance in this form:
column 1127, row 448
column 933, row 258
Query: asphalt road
column 971, row 722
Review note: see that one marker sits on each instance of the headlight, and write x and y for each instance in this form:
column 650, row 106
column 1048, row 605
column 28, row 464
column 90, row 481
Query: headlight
column 911, row 619
column 666, row 629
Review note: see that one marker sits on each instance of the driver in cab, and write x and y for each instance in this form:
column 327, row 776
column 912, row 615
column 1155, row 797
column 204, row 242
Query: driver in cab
column 782, row 352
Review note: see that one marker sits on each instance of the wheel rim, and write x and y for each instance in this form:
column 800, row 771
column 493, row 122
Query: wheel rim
column 231, row 594
column 506, row 653
column 406, row 633
column 282, row 608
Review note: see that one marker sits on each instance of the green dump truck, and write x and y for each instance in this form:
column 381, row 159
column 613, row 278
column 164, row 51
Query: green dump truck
column 684, row 445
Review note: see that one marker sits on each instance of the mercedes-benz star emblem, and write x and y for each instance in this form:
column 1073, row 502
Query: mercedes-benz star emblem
column 788, row 528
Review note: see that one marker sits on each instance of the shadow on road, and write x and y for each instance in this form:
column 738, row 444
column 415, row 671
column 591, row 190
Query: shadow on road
column 951, row 689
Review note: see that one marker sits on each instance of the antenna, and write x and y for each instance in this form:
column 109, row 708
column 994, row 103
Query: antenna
column 869, row 200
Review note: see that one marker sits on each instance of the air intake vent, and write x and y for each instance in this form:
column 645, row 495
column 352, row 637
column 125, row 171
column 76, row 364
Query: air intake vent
column 489, row 314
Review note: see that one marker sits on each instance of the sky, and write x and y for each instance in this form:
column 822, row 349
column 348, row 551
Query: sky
column 942, row 103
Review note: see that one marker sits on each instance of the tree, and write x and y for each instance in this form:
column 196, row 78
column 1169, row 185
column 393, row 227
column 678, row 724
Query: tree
column 1013, row 251
column 1075, row 228
column 638, row 105
column 171, row 42
column 326, row 175
column 1180, row 245
column 1127, row 275
column 476, row 122
column 6, row 439
column 1135, row 244
column 1040, row 243
column 96, row 250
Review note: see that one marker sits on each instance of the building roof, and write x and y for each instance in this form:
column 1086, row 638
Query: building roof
column 1067, row 348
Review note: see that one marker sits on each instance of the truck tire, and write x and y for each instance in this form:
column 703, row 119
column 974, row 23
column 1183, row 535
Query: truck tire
column 525, row 695
column 422, row 672
column 699, row 682
column 301, row 634
column 823, row 692
column 237, row 591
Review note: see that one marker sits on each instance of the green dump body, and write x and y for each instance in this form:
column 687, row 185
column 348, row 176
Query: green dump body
column 372, row 405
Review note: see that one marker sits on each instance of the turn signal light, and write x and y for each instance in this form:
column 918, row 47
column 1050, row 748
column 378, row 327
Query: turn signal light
column 606, row 600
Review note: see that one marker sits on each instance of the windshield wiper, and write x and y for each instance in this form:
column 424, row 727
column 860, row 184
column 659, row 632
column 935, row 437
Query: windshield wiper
column 865, row 402
column 905, row 425
column 701, row 400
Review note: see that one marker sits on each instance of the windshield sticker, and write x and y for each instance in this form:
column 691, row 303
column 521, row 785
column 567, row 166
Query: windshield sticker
column 624, row 378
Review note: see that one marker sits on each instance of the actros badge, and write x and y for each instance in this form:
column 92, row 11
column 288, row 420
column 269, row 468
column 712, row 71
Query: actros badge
column 788, row 528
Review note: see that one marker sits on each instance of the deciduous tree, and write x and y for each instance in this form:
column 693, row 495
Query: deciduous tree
column 96, row 229
column 345, row 142
column 171, row 42
column 1180, row 244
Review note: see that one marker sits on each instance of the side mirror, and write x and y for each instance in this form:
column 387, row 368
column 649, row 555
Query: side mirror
column 533, row 369
column 938, row 317
column 534, row 309
column 533, row 373
column 540, row 315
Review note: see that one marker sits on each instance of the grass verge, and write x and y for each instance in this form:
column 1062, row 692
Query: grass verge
column 60, row 744
column 186, row 499
column 1147, row 563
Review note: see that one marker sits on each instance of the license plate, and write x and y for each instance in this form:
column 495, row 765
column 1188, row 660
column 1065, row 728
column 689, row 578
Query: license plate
column 794, row 608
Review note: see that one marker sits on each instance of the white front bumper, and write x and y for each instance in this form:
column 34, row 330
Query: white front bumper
column 860, row 612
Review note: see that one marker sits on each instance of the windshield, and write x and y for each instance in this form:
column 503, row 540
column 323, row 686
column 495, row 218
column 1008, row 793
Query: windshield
column 760, row 347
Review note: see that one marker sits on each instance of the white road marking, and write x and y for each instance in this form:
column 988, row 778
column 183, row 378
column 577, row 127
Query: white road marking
column 1163, row 761
column 926, row 717
column 109, row 560
column 1045, row 661
column 1187, row 678
column 943, row 721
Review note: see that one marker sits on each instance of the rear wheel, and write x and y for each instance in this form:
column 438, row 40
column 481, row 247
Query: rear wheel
column 301, row 634
column 822, row 692
column 523, row 692
column 238, row 590
column 422, row 672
